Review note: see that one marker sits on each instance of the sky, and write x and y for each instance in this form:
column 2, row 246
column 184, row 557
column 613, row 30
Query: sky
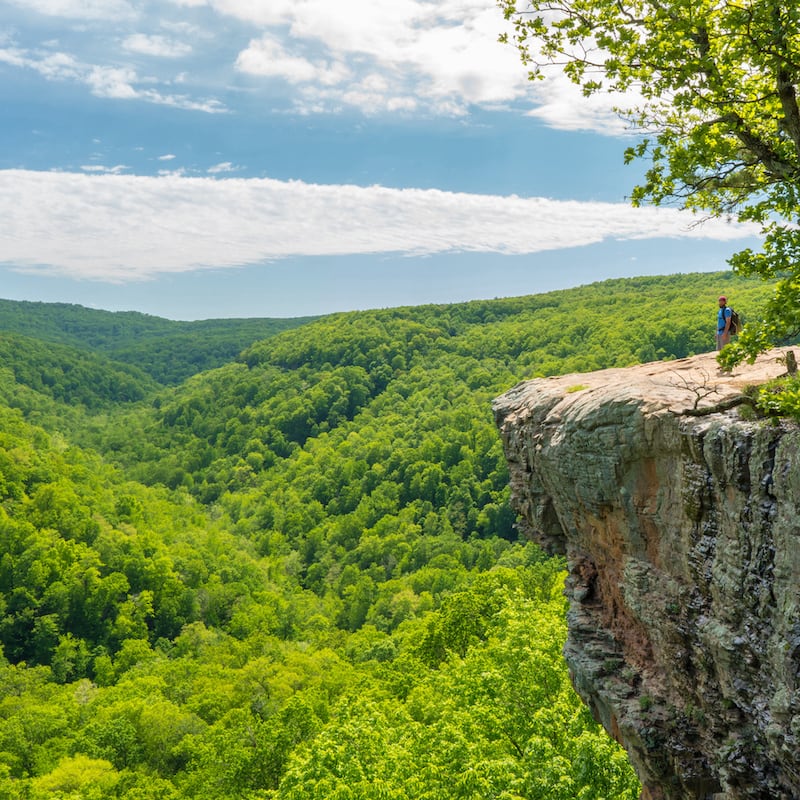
column 199, row 159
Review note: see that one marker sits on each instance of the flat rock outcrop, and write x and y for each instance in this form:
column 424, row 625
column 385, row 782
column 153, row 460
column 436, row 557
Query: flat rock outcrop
column 680, row 520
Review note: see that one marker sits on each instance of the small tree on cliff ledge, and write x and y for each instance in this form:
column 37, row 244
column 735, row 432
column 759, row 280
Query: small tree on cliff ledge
column 718, row 86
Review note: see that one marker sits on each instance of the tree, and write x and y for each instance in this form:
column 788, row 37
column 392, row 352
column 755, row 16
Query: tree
column 717, row 82
column 77, row 777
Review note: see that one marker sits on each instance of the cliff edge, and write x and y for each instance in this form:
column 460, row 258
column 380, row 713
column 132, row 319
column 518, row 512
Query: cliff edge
column 680, row 520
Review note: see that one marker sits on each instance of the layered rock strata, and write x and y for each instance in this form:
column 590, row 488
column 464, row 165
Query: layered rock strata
column 680, row 520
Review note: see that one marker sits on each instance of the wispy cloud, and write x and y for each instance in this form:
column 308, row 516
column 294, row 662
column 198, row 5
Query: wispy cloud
column 124, row 228
column 155, row 45
column 218, row 169
column 100, row 168
column 80, row 9
column 121, row 83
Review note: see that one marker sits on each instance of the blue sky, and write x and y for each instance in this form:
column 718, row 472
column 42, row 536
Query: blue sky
column 232, row 158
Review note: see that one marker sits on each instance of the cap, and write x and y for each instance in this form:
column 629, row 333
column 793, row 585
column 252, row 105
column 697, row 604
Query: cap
column 723, row 298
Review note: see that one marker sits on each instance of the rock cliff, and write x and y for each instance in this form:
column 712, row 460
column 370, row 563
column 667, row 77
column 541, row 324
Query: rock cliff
column 680, row 520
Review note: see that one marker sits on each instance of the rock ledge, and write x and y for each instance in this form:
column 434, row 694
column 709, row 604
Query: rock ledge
column 680, row 521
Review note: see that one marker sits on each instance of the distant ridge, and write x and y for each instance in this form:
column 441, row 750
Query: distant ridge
column 168, row 350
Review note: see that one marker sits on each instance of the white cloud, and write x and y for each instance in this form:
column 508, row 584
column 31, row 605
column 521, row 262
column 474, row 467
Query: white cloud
column 112, row 82
column 266, row 57
column 55, row 66
column 124, row 228
column 79, row 9
column 13, row 56
column 218, row 169
column 258, row 12
column 384, row 27
column 156, row 45
column 166, row 157
column 560, row 104
column 104, row 81
column 100, row 168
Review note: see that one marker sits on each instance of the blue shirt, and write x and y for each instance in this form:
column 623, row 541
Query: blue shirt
column 723, row 314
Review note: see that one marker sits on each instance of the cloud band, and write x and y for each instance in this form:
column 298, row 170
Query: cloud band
column 122, row 228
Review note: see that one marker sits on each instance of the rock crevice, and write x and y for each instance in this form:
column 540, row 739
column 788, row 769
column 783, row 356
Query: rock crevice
column 680, row 521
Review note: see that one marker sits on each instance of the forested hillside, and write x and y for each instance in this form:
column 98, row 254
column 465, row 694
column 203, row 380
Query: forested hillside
column 167, row 350
column 297, row 575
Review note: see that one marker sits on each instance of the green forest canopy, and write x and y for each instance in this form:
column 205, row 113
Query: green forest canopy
column 297, row 575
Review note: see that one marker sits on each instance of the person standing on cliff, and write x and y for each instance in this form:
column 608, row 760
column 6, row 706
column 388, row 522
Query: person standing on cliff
column 723, row 323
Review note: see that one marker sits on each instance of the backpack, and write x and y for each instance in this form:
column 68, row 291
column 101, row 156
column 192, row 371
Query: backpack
column 736, row 324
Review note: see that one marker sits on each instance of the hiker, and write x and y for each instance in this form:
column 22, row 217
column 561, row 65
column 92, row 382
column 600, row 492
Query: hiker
column 723, row 323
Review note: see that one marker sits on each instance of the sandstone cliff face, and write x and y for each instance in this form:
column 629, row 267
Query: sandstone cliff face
column 682, row 535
